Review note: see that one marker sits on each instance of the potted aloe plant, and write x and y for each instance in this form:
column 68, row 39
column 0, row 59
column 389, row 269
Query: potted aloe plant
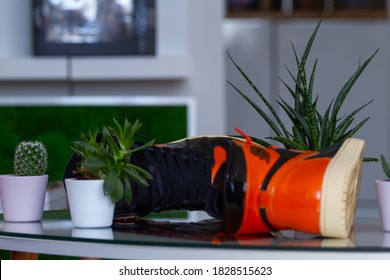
column 310, row 129
column 104, row 174
column 23, row 193
column 382, row 187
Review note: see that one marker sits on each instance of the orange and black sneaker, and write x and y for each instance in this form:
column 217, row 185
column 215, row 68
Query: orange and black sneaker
column 251, row 188
column 313, row 192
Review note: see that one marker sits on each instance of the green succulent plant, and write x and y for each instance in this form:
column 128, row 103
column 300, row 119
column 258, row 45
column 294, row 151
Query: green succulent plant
column 107, row 156
column 310, row 129
column 30, row 158
column 385, row 166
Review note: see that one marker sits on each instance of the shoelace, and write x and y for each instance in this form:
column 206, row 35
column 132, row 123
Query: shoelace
column 181, row 181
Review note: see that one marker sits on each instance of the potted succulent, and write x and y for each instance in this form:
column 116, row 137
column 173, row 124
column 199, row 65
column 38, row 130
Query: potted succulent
column 383, row 194
column 23, row 193
column 104, row 174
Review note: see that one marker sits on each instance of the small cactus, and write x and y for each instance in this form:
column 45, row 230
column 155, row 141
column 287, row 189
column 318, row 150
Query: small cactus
column 30, row 158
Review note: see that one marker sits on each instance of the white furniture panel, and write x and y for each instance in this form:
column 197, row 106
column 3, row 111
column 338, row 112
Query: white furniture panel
column 130, row 68
column 27, row 68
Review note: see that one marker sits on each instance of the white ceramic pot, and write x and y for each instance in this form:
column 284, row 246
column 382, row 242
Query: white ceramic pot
column 89, row 207
column 23, row 197
column 383, row 194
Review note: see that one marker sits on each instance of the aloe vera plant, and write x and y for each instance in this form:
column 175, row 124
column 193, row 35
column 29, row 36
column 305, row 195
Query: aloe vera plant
column 310, row 129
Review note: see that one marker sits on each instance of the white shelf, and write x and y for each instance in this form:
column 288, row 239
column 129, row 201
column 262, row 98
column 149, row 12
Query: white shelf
column 125, row 68
column 117, row 68
column 33, row 69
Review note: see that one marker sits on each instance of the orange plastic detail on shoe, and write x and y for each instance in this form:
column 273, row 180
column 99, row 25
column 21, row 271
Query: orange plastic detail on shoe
column 293, row 196
column 219, row 158
column 259, row 160
column 247, row 138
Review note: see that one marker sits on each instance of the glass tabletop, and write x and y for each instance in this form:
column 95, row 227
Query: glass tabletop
column 367, row 235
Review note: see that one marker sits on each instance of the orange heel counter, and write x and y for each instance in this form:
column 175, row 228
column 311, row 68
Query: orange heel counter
column 294, row 198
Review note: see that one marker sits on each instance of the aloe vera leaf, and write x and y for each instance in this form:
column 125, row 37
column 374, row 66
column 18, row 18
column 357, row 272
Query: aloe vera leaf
column 261, row 96
column 269, row 121
column 347, row 87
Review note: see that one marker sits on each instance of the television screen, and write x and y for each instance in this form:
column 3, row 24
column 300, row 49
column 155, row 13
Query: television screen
column 94, row 27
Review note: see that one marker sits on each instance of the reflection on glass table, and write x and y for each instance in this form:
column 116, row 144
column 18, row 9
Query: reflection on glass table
column 155, row 239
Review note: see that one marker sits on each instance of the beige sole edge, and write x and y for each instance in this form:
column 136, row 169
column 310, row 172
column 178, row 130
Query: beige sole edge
column 208, row 136
column 340, row 190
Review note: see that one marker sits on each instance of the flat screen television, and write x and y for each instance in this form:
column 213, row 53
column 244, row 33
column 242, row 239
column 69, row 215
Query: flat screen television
column 57, row 121
column 94, row 27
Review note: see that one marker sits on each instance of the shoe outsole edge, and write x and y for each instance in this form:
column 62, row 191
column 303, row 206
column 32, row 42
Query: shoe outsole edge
column 340, row 189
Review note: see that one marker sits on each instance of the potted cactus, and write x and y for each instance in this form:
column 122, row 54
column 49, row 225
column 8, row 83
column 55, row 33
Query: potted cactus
column 23, row 193
column 382, row 187
column 103, row 174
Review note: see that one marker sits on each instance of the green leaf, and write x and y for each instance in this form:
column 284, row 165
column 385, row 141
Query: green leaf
column 110, row 182
column 135, row 176
column 128, row 194
column 353, row 131
column 325, row 139
column 300, row 121
column 345, row 122
column 269, row 121
column 82, row 146
column 290, row 144
column 300, row 139
column 144, row 146
column 259, row 94
column 93, row 162
column 311, row 84
column 108, row 138
column 347, row 87
column 385, row 166
column 113, row 186
column 370, row 159
column 310, row 44
column 145, row 174
column 260, row 141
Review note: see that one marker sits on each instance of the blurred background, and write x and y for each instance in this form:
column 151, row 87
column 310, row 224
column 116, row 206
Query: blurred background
column 184, row 55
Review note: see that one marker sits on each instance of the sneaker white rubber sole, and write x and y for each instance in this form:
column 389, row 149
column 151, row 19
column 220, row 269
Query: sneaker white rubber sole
column 340, row 189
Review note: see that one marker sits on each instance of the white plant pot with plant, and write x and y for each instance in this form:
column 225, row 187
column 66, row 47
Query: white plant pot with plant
column 382, row 187
column 104, row 174
column 23, row 193
column 89, row 206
